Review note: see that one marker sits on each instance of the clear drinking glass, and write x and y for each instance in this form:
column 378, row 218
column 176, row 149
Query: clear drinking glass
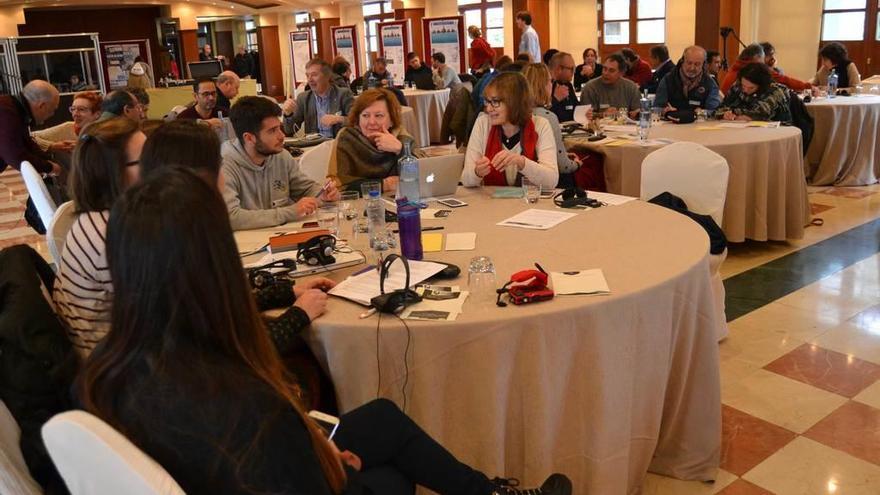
column 481, row 281
column 531, row 190
column 859, row 89
column 656, row 114
column 348, row 204
column 328, row 217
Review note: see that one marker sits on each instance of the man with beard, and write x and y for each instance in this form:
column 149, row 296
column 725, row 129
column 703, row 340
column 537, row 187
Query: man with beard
column 264, row 186
column 688, row 85
column 323, row 109
column 206, row 109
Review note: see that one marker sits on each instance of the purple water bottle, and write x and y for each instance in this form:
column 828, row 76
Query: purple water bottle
column 409, row 224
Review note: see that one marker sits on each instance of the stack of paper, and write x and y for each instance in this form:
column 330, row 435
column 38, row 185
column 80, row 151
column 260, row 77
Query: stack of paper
column 587, row 282
column 438, row 303
column 363, row 287
column 536, row 219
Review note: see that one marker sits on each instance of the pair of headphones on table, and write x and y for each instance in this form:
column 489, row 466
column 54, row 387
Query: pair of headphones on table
column 574, row 197
column 261, row 277
column 317, row 251
column 393, row 302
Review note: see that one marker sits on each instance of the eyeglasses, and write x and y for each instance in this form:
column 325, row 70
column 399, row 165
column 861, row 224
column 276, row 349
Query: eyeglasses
column 79, row 109
column 132, row 163
column 566, row 67
column 493, row 102
column 206, row 94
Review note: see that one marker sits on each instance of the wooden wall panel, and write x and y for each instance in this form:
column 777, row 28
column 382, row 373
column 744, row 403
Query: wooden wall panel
column 270, row 61
column 540, row 10
column 415, row 16
column 325, row 37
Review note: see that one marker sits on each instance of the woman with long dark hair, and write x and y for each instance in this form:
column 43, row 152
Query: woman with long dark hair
column 756, row 97
column 835, row 57
column 188, row 374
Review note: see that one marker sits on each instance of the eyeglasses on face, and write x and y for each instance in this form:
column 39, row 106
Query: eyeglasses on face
column 80, row 109
column 206, row 94
column 494, row 102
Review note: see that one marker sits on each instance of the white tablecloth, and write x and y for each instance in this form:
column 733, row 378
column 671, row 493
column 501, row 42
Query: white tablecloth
column 766, row 191
column 428, row 107
column 601, row 388
column 845, row 150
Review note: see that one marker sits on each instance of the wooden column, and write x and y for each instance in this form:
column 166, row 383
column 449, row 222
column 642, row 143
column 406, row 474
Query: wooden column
column 415, row 16
column 270, row 61
column 540, row 10
column 325, row 37
column 713, row 15
column 189, row 49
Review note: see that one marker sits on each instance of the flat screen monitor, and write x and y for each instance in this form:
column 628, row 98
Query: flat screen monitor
column 208, row 68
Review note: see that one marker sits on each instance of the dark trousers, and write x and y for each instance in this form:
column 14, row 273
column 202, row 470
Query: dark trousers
column 396, row 454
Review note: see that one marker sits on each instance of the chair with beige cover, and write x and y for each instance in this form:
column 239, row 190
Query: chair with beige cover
column 56, row 231
column 315, row 162
column 95, row 459
column 14, row 475
column 699, row 176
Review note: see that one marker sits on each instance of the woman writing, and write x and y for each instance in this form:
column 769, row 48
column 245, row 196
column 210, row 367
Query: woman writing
column 372, row 142
column 756, row 97
column 507, row 143
column 190, row 377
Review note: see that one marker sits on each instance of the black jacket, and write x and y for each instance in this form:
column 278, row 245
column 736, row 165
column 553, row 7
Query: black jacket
column 16, row 143
column 659, row 74
column 564, row 109
column 674, row 91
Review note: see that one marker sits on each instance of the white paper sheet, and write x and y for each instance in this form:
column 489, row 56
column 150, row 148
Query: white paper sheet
column 464, row 241
column 365, row 286
column 584, row 282
column 536, row 219
column 610, row 199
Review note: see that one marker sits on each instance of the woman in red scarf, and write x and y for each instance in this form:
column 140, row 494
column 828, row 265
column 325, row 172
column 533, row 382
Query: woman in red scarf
column 85, row 109
column 507, row 142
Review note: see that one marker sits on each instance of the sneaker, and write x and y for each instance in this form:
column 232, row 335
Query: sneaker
column 556, row 484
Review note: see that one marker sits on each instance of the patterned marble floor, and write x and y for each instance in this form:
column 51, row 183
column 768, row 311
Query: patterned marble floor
column 800, row 374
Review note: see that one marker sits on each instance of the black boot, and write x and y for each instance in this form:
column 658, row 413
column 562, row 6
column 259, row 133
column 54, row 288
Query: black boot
column 556, row 484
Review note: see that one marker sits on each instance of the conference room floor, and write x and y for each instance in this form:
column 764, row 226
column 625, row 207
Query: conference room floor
column 801, row 369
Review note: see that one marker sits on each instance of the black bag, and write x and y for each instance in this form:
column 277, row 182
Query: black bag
column 58, row 195
column 717, row 239
column 801, row 119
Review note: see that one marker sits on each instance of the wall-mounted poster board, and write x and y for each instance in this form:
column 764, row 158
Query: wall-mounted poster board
column 300, row 54
column 395, row 41
column 118, row 57
column 345, row 44
column 446, row 35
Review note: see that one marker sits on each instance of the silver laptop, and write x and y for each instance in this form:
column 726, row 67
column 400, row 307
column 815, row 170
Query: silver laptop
column 439, row 175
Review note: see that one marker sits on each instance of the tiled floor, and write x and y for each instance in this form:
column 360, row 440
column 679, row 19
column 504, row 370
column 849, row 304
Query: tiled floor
column 801, row 369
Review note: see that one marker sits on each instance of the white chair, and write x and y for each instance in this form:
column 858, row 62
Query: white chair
column 36, row 188
column 56, row 231
column 316, row 161
column 14, row 474
column 699, row 176
column 95, row 459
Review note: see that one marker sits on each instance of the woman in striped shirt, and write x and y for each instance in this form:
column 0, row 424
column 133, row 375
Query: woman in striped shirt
column 105, row 162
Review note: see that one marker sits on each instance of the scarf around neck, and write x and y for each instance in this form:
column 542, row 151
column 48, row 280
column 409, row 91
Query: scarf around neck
column 689, row 83
column 528, row 142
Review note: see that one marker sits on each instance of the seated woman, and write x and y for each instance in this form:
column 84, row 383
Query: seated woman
column 589, row 70
column 834, row 56
column 507, row 143
column 370, row 145
column 190, row 377
column 540, row 86
column 85, row 109
column 105, row 163
column 756, row 97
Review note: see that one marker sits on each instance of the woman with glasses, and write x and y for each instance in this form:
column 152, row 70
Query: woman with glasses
column 106, row 161
column 507, row 142
column 85, row 109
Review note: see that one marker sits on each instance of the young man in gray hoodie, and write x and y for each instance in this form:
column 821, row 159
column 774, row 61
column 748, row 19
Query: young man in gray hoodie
column 264, row 185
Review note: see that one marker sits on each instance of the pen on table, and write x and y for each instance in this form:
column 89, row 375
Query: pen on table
column 368, row 313
column 424, row 229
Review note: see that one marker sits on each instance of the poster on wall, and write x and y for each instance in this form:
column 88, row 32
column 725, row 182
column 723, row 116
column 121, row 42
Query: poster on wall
column 119, row 56
column 394, row 44
column 345, row 44
column 300, row 54
column 446, row 35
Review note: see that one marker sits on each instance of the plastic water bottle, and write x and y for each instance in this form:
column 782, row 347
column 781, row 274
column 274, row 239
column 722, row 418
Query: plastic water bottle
column 376, row 222
column 644, row 117
column 832, row 83
column 408, row 166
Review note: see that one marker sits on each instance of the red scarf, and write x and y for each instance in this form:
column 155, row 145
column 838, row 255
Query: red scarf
column 528, row 141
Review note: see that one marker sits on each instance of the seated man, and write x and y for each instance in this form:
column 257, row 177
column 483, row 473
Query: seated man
column 415, row 68
column 777, row 73
column 639, row 71
column 341, row 73
column 321, row 110
column 228, row 83
column 713, row 63
column 378, row 76
column 688, row 86
column 563, row 99
column 264, row 185
column 662, row 65
column 121, row 103
column 206, row 109
column 611, row 91
column 143, row 99
column 444, row 75
column 750, row 54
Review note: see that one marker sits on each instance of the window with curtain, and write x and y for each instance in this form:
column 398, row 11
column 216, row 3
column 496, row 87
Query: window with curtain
column 374, row 13
column 488, row 16
column 627, row 22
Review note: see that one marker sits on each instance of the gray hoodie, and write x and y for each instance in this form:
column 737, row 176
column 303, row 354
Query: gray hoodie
column 264, row 196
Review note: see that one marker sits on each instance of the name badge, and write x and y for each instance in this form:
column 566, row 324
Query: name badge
column 694, row 103
column 603, row 105
column 280, row 202
column 569, row 107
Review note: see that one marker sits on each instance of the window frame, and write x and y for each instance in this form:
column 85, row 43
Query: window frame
column 382, row 16
column 311, row 26
column 483, row 6
column 633, row 21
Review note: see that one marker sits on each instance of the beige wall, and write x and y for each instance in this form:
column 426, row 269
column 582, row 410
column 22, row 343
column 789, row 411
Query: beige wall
column 10, row 18
column 187, row 13
column 440, row 8
column 354, row 15
column 794, row 28
column 680, row 25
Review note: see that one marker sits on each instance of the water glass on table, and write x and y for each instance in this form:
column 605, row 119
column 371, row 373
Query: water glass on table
column 348, row 204
column 531, row 190
column 481, row 281
column 328, row 217
column 370, row 185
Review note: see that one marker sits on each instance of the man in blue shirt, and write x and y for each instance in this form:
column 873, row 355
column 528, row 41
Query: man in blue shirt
column 321, row 110
column 529, row 42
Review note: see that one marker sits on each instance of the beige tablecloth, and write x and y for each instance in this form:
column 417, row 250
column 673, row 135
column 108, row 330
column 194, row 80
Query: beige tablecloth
column 428, row 106
column 845, row 150
column 766, row 190
column 601, row 388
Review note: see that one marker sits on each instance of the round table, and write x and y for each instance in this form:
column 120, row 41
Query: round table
column 601, row 388
column 845, row 150
column 766, row 190
column 428, row 107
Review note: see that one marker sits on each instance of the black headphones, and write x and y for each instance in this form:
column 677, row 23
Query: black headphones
column 261, row 277
column 398, row 299
column 317, row 251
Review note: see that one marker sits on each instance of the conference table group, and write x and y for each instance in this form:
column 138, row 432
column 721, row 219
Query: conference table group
column 604, row 388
